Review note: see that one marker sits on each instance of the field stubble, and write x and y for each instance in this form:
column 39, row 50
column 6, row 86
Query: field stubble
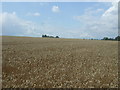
column 59, row 63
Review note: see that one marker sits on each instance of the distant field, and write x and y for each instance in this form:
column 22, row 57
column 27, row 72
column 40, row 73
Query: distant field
column 61, row 63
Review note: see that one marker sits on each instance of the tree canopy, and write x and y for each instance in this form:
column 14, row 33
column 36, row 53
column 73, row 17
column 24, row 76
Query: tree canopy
column 50, row 36
column 115, row 39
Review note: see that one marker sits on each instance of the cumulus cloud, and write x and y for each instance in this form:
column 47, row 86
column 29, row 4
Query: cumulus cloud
column 112, row 10
column 33, row 14
column 55, row 9
column 36, row 14
column 13, row 25
column 100, row 26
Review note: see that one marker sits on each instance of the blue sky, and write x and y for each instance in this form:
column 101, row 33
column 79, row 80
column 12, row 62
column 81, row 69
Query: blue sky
column 65, row 19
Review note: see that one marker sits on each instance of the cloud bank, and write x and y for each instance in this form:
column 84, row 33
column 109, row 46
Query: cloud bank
column 100, row 26
column 13, row 25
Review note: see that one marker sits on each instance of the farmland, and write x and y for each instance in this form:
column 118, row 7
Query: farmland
column 59, row 63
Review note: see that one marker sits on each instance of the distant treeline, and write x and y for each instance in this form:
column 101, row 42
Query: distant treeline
column 105, row 38
column 114, row 39
column 50, row 36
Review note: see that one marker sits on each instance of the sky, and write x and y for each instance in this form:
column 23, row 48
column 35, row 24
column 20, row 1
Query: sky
column 64, row 19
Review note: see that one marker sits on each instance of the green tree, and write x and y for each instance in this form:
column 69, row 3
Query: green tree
column 57, row 36
column 105, row 38
column 117, row 38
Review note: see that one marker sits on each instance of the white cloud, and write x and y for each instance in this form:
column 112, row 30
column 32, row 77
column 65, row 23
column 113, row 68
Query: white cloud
column 13, row 25
column 100, row 26
column 36, row 14
column 33, row 14
column 112, row 10
column 55, row 9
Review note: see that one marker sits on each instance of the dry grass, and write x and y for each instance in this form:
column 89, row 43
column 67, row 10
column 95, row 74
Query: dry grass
column 66, row 63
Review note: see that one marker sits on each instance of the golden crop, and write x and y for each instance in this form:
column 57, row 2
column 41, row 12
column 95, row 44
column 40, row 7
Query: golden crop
column 59, row 63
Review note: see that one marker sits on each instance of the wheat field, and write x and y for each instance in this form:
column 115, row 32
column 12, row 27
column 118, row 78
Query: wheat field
column 59, row 63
